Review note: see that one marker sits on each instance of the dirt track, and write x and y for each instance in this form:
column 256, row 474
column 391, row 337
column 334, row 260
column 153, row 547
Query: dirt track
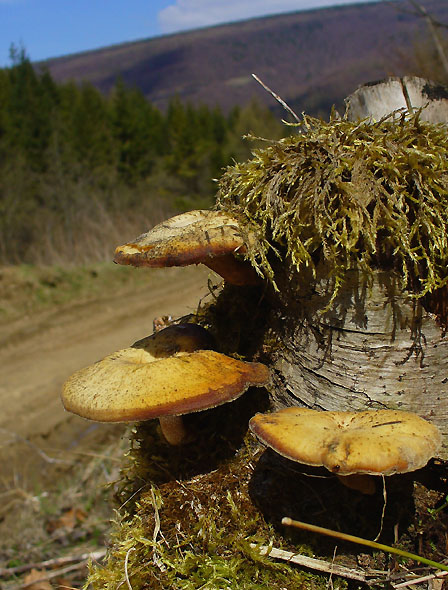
column 41, row 352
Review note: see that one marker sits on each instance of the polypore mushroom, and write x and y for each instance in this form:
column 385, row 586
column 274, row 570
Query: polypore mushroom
column 209, row 237
column 164, row 376
column 373, row 442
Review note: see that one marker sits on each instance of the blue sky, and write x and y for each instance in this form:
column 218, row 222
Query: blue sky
column 51, row 28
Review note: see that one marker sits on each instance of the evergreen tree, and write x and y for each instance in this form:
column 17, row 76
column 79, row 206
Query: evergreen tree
column 137, row 131
column 70, row 155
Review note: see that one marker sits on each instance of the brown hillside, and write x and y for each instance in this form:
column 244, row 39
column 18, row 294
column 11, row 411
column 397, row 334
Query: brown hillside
column 312, row 59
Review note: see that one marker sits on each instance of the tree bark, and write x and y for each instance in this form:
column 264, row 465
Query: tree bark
column 377, row 347
column 374, row 101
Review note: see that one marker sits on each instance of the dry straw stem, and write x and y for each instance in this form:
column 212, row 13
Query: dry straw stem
column 316, row 564
column 34, row 447
column 64, row 570
column 277, row 98
column 371, row 577
column 354, row 194
column 419, row 580
column 126, row 575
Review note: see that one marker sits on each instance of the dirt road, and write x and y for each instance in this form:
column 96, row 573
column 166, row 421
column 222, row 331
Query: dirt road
column 41, row 352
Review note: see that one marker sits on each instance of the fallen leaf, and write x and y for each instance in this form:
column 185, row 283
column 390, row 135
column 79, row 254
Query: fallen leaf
column 63, row 584
column 33, row 580
column 69, row 519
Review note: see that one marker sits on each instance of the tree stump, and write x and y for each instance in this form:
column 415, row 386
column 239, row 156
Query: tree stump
column 376, row 347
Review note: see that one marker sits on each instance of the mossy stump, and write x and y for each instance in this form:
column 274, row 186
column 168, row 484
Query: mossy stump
column 347, row 221
column 346, row 224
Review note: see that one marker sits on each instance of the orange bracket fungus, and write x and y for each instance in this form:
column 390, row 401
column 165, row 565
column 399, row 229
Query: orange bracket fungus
column 373, row 442
column 209, row 237
column 165, row 375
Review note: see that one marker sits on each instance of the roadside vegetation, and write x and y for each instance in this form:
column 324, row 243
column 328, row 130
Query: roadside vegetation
column 80, row 171
column 48, row 528
column 29, row 289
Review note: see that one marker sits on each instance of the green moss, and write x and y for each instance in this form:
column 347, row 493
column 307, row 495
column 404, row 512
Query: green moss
column 196, row 531
column 194, row 517
column 353, row 194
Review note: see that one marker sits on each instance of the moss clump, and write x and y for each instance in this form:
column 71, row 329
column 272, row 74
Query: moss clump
column 196, row 531
column 195, row 517
column 353, row 194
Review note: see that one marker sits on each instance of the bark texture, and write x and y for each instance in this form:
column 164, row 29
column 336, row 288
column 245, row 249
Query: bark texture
column 375, row 101
column 376, row 348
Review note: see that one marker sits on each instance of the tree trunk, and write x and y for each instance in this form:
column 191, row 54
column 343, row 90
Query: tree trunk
column 378, row 100
column 377, row 347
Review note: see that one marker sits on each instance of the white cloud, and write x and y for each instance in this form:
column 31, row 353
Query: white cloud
column 190, row 14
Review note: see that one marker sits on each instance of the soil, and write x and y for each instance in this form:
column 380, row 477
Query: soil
column 37, row 354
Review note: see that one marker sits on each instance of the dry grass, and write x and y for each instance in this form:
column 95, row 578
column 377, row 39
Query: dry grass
column 65, row 507
column 91, row 235
column 28, row 289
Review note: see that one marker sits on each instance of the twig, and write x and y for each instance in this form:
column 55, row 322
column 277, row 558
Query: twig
column 330, row 577
column 20, row 569
column 277, row 97
column 420, row 10
column 431, row 26
column 53, row 574
column 417, row 12
column 312, row 563
column 419, row 580
column 344, row 537
column 39, row 451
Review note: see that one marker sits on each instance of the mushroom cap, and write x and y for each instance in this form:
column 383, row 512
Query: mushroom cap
column 185, row 239
column 375, row 442
column 175, row 338
column 155, row 378
column 208, row 237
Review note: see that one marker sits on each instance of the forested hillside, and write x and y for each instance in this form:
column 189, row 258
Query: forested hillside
column 312, row 58
column 81, row 172
column 97, row 147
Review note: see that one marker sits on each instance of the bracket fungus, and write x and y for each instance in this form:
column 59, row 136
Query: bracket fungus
column 166, row 375
column 213, row 238
column 373, row 442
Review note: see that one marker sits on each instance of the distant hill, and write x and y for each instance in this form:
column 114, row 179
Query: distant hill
column 313, row 59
